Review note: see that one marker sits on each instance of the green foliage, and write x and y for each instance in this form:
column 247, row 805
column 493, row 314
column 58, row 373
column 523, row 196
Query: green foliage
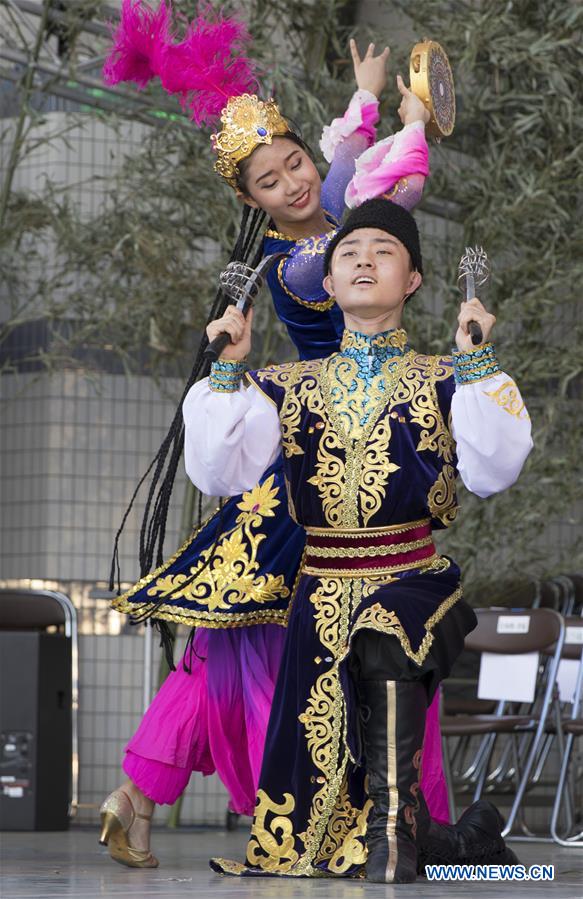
column 142, row 271
column 517, row 67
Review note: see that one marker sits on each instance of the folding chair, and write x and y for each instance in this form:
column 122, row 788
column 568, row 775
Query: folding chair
column 572, row 728
column 544, row 629
column 557, row 593
column 465, row 761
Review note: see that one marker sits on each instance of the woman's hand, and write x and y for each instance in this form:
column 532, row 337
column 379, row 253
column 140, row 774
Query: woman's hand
column 473, row 311
column 238, row 327
column 412, row 109
column 371, row 71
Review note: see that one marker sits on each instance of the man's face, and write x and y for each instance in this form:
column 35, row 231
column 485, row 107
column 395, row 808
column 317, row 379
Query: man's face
column 371, row 273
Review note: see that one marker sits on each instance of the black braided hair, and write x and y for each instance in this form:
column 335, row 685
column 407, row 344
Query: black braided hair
column 165, row 462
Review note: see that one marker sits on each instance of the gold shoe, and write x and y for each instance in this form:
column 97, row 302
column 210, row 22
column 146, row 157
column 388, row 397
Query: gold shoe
column 117, row 816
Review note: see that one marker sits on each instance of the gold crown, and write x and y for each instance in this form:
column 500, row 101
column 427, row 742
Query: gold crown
column 247, row 122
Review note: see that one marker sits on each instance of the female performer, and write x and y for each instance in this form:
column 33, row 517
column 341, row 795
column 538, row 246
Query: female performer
column 232, row 579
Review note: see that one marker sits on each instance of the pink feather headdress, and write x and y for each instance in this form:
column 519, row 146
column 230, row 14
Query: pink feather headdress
column 208, row 71
column 205, row 69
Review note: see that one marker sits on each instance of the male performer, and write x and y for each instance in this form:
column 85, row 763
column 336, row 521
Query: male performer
column 373, row 438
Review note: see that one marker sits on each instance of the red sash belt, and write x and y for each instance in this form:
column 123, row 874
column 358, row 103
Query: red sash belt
column 373, row 551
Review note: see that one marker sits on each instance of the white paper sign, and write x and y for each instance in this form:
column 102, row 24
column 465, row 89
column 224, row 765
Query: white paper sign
column 567, row 679
column 574, row 635
column 513, row 624
column 511, row 677
column 14, row 792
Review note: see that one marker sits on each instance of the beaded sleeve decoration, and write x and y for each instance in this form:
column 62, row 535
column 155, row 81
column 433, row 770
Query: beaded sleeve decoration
column 477, row 365
column 226, row 376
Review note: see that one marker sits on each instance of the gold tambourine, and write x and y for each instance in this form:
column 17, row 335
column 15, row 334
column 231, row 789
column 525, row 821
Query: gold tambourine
column 432, row 82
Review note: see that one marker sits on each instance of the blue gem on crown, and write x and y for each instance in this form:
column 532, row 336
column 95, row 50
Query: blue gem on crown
column 262, row 131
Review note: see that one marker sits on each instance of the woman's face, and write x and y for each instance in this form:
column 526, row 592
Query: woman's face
column 281, row 179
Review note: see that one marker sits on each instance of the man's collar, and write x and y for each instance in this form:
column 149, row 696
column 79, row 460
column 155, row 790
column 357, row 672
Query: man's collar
column 395, row 339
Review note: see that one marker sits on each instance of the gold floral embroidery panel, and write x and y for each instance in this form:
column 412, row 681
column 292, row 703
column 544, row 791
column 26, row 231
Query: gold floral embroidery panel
column 232, row 578
column 361, row 485
column 353, row 464
column 417, row 389
column 323, row 720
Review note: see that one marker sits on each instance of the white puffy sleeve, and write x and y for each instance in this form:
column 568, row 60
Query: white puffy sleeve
column 492, row 430
column 230, row 438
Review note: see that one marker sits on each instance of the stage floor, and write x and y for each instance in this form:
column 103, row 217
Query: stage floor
column 39, row 865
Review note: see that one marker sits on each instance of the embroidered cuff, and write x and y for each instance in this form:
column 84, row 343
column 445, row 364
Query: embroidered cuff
column 226, row 376
column 477, row 365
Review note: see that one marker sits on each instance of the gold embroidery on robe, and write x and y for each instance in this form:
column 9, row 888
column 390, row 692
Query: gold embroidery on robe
column 287, row 376
column 314, row 246
column 356, row 341
column 330, row 475
column 364, row 475
column 441, row 497
column 290, row 503
column 377, row 468
column 352, row 472
column 231, row 578
column 377, row 618
column 344, row 846
column 227, row 866
column 328, row 743
column 326, row 599
column 318, row 719
column 290, row 424
column 417, row 389
column 352, row 399
column 271, row 845
column 211, row 620
column 370, row 584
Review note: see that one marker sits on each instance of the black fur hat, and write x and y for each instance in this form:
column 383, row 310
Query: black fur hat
column 385, row 216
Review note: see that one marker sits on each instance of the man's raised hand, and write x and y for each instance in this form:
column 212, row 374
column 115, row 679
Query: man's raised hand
column 473, row 311
column 238, row 327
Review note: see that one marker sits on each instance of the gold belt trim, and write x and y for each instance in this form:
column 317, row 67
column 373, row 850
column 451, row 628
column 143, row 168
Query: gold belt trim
column 361, row 533
column 369, row 572
column 363, row 552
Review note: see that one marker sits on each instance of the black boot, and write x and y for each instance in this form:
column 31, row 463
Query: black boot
column 393, row 716
column 475, row 839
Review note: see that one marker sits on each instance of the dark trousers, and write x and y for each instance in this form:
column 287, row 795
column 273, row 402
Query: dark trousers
column 377, row 656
